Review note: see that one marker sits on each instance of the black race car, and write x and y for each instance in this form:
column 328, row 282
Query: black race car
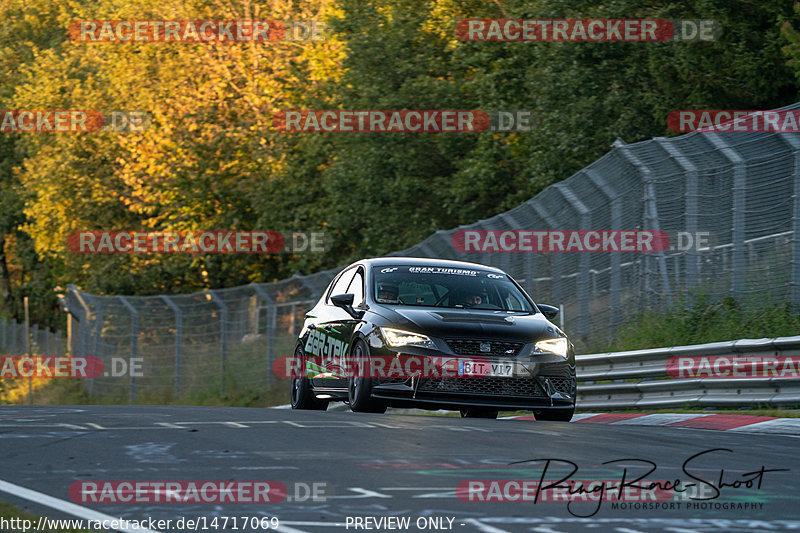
column 434, row 334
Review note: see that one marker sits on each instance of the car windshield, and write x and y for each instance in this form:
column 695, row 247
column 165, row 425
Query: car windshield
column 463, row 288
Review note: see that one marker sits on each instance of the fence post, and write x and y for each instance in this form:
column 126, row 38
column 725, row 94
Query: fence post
column 28, row 346
column 178, row 343
column 650, row 213
column 83, row 330
column 691, row 255
column 12, row 343
column 271, row 311
column 223, row 330
column 134, row 346
column 513, row 224
column 556, row 270
column 584, row 259
column 77, row 332
column 97, row 336
column 615, row 288
column 737, row 233
column 70, row 333
column 48, row 342
column 794, row 143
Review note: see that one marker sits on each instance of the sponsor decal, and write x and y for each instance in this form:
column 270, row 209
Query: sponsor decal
column 441, row 270
column 333, row 352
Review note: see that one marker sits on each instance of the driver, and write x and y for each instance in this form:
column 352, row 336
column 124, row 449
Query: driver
column 388, row 293
column 472, row 299
column 467, row 298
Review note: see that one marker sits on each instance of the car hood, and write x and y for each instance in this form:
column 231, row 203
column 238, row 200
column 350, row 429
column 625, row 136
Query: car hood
column 446, row 323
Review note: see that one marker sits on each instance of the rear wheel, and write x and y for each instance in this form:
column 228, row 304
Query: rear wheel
column 479, row 412
column 359, row 390
column 560, row 415
column 302, row 394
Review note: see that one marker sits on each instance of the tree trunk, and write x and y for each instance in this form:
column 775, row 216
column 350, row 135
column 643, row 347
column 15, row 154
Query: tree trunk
column 5, row 279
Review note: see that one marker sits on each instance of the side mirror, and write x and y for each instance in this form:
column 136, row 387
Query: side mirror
column 549, row 311
column 345, row 301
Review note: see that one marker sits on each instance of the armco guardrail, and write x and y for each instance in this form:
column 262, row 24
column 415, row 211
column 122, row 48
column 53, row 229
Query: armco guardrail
column 654, row 388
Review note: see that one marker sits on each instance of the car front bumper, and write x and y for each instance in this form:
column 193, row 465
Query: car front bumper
column 541, row 385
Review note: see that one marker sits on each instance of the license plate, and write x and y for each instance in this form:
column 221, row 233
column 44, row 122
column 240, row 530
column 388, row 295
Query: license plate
column 498, row 369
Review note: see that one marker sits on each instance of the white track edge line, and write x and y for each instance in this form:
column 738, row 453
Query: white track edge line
column 64, row 506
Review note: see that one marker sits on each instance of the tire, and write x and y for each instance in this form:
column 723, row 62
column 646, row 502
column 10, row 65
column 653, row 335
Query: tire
column 359, row 389
column 302, row 397
column 561, row 415
column 479, row 412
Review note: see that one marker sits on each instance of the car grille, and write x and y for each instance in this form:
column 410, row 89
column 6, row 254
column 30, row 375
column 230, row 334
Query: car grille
column 473, row 347
column 392, row 381
column 494, row 386
column 560, row 384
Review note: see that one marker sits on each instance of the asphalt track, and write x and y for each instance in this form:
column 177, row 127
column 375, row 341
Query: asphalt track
column 386, row 465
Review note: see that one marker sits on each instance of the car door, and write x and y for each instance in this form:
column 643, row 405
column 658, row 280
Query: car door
column 328, row 342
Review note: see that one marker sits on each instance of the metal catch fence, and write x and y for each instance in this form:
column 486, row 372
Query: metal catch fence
column 740, row 190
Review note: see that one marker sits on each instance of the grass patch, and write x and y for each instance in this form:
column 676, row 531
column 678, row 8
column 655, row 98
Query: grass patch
column 16, row 516
column 75, row 392
column 705, row 322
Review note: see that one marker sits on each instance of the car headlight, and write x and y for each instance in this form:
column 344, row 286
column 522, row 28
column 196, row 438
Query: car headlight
column 557, row 346
column 398, row 337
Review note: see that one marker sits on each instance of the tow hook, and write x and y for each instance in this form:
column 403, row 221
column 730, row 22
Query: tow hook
column 547, row 387
column 415, row 381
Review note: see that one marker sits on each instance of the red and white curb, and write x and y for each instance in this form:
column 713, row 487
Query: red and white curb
column 738, row 423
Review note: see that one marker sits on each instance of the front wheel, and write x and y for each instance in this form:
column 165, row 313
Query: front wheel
column 359, row 390
column 302, row 394
column 479, row 412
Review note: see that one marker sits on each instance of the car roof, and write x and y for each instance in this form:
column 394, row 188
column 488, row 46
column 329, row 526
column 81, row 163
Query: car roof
column 424, row 261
